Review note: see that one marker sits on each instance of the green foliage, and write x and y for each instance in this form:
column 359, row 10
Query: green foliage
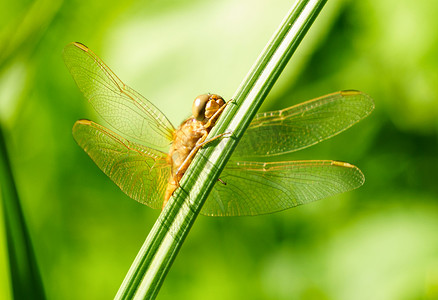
column 25, row 281
column 378, row 242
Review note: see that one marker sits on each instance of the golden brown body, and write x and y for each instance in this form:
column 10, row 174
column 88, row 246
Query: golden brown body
column 190, row 137
column 186, row 137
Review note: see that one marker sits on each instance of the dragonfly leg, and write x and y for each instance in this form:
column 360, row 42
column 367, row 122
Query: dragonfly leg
column 221, row 181
column 216, row 115
column 201, row 142
column 173, row 185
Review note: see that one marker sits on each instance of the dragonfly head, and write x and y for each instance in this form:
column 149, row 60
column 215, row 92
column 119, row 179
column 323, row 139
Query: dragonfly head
column 205, row 106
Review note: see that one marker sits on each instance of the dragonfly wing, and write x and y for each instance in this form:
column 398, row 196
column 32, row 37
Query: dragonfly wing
column 303, row 125
column 254, row 188
column 128, row 112
column 139, row 171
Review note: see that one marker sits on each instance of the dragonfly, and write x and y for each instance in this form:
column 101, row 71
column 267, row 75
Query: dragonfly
column 133, row 152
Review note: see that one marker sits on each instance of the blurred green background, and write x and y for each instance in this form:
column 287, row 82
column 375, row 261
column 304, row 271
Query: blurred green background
column 377, row 242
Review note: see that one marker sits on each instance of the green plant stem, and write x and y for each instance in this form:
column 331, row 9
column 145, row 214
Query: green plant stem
column 157, row 254
column 25, row 277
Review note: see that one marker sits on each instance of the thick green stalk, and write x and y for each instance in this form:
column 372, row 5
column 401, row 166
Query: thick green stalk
column 157, row 254
column 25, row 277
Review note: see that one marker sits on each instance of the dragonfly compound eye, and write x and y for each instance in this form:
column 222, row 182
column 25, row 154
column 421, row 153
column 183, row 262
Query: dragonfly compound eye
column 198, row 108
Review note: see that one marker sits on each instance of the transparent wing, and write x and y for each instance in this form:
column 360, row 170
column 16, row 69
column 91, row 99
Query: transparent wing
column 303, row 125
column 139, row 171
column 254, row 188
column 128, row 112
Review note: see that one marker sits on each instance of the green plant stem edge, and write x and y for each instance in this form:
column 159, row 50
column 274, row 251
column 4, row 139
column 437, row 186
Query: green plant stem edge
column 150, row 267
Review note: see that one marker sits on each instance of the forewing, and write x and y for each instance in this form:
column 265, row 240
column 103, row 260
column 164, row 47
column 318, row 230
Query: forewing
column 303, row 125
column 254, row 188
column 125, row 110
column 139, row 171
